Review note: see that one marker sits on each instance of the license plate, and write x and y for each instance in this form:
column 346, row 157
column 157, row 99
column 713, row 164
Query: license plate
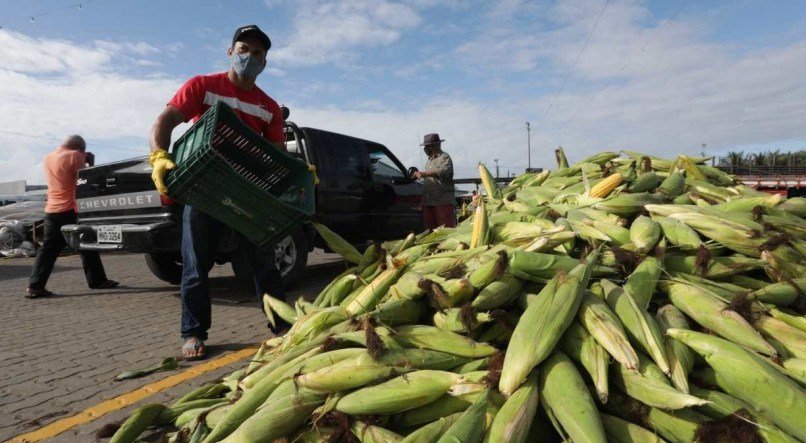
column 110, row 234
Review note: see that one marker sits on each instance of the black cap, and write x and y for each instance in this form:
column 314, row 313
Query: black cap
column 251, row 31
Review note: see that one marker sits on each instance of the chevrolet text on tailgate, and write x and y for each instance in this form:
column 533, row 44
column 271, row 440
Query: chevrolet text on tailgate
column 365, row 193
column 121, row 201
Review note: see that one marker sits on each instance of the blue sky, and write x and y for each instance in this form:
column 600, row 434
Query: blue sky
column 657, row 76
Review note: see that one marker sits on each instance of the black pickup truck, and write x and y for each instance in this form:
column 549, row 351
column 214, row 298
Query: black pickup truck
column 365, row 193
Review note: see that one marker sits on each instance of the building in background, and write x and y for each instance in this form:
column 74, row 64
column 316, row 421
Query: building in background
column 20, row 190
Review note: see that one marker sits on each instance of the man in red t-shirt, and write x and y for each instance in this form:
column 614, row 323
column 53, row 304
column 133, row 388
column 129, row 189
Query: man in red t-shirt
column 200, row 232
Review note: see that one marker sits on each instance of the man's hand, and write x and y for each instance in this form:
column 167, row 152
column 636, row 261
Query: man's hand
column 418, row 174
column 90, row 159
column 162, row 162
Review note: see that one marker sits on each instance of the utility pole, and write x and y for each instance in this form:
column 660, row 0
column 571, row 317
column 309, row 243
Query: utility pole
column 496, row 168
column 703, row 152
column 529, row 145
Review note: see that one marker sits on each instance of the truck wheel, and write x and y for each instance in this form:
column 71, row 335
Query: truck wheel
column 290, row 257
column 166, row 266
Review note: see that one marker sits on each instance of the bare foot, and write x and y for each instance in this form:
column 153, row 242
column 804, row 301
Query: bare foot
column 193, row 349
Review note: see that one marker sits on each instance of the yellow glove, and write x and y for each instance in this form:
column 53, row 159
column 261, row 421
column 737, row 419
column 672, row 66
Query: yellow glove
column 312, row 170
column 161, row 161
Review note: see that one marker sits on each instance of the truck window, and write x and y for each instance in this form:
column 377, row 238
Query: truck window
column 382, row 164
column 347, row 155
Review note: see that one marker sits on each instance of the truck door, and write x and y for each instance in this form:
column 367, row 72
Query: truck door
column 345, row 186
column 396, row 196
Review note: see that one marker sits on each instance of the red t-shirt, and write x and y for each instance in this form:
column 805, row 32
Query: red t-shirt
column 259, row 111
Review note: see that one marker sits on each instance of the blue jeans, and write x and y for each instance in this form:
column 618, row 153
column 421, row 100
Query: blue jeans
column 200, row 237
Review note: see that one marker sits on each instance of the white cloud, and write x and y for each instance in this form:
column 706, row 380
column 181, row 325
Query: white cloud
column 679, row 90
column 51, row 88
column 681, row 87
column 21, row 53
column 326, row 32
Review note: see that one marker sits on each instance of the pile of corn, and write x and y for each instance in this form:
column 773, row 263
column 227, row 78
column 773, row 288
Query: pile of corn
column 626, row 299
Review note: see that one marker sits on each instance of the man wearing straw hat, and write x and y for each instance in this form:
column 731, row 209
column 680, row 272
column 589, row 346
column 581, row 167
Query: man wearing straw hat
column 438, row 189
column 200, row 232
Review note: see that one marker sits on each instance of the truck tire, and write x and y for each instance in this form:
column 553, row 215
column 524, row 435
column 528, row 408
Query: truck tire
column 166, row 266
column 290, row 257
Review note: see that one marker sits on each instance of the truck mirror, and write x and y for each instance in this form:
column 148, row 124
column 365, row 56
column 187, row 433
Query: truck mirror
column 286, row 112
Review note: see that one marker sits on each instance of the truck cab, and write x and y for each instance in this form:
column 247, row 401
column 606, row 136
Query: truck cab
column 364, row 194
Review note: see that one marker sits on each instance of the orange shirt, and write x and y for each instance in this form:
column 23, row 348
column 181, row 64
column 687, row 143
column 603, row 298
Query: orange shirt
column 61, row 172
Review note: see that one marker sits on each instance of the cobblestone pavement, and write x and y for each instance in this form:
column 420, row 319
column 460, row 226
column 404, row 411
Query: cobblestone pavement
column 58, row 355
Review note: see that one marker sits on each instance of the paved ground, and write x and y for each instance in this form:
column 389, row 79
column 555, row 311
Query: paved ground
column 58, row 355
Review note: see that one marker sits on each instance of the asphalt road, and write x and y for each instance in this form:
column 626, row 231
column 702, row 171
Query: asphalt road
column 58, row 355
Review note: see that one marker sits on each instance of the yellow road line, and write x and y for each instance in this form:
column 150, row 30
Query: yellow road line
column 97, row 411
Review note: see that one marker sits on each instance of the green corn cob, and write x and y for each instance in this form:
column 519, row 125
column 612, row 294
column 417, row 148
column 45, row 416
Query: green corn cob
column 781, row 294
column 581, row 347
column 371, row 294
column 652, row 390
column 626, row 205
column 605, row 327
column 337, row 244
column 713, row 313
column 644, row 233
column 673, row 185
column 429, row 337
column 797, row 321
column 488, row 272
column 679, row 426
column 369, row 433
column 541, row 326
column 645, row 182
column 277, row 419
column 623, row 431
column 566, row 399
column 681, row 359
column 616, row 233
column 469, row 427
column 679, row 234
column 642, row 282
column 311, row 325
column 447, row 404
column 141, row 418
column 431, row 432
column 748, row 377
column 514, row 419
column 497, row 293
column 640, row 326
column 791, row 340
column 795, row 205
column 398, row 312
column 398, row 394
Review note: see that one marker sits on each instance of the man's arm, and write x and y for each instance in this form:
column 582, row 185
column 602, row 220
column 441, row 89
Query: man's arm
column 169, row 119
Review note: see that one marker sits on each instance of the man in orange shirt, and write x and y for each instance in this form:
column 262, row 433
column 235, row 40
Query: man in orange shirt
column 61, row 171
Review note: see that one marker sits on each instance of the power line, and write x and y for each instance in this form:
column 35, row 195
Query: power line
column 78, row 6
column 579, row 56
column 44, row 137
column 612, row 78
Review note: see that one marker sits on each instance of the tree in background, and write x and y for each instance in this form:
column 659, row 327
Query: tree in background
column 763, row 159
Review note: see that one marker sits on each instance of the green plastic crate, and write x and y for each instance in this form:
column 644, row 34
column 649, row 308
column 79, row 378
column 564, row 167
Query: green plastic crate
column 228, row 171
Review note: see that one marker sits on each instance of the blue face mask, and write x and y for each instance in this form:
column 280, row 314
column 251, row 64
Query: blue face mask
column 246, row 66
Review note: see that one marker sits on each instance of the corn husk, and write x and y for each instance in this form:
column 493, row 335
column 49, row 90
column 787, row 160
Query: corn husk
column 748, row 377
column 568, row 402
